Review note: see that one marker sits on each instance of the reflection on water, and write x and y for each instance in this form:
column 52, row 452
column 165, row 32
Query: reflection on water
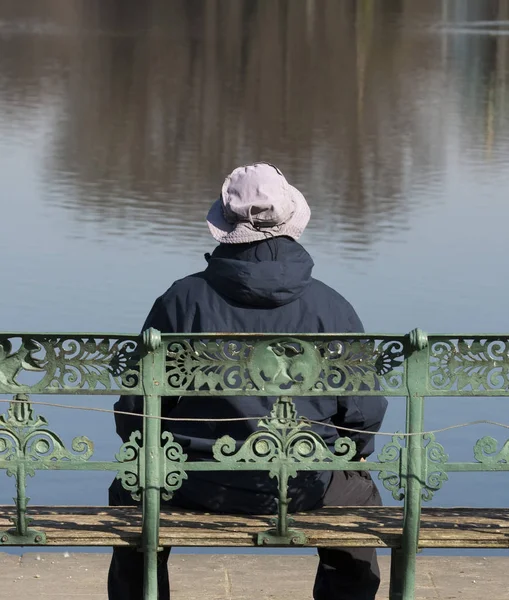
column 150, row 104
column 119, row 120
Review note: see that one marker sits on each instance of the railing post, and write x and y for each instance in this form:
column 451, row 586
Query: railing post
column 153, row 371
column 416, row 385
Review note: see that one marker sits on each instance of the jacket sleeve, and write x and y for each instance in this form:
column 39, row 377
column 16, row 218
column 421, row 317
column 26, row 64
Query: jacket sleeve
column 126, row 424
column 360, row 412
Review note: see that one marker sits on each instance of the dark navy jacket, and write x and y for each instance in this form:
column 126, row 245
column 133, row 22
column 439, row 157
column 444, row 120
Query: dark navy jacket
column 264, row 287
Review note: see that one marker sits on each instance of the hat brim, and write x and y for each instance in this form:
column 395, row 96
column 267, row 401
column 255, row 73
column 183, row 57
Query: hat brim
column 244, row 233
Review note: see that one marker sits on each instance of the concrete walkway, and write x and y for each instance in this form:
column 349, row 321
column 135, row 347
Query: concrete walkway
column 229, row 577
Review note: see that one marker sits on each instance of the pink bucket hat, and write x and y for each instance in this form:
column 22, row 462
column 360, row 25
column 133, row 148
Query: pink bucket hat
column 256, row 203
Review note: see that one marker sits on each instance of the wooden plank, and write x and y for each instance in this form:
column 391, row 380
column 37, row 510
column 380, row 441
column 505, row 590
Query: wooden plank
column 333, row 527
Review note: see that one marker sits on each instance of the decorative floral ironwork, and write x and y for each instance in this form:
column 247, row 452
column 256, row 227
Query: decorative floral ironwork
column 25, row 443
column 486, row 451
column 283, row 437
column 131, row 470
column 362, row 365
column 285, row 365
column 212, row 364
column 469, row 365
column 284, row 445
column 173, row 460
column 22, row 434
column 49, row 363
column 435, row 458
column 393, row 456
column 131, row 465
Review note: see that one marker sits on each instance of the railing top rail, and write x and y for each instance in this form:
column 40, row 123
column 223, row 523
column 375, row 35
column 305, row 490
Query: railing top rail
column 232, row 364
column 207, row 335
column 215, row 335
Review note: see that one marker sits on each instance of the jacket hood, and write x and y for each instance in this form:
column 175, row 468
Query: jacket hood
column 271, row 272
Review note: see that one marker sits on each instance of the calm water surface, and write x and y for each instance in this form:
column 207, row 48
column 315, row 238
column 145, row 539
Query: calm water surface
column 119, row 120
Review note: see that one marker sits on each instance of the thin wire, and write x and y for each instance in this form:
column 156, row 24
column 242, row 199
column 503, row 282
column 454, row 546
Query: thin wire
column 236, row 419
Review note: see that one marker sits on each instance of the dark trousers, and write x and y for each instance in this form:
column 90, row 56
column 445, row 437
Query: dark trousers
column 343, row 573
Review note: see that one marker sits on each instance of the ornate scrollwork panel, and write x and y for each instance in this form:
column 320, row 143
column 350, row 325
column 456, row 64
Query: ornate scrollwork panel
column 173, row 461
column 25, row 435
column 283, row 439
column 42, row 363
column 393, row 456
column 131, row 470
column 283, row 445
column 361, row 365
column 212, row 364
column 285, row 366
column 25, row 443
column 486, row 451
column 435, row 459
column 469, row 365
column 131, row 467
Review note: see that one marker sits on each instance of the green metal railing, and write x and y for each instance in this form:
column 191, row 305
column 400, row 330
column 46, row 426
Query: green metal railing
column 412, row 466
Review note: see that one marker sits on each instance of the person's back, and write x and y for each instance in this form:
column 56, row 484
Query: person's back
column 259, row 280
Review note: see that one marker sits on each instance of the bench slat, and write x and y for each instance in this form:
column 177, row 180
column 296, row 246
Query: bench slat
column 328, row 527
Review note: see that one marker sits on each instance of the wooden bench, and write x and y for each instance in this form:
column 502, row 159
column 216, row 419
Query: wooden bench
column 412, row 465
column 379, row 527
